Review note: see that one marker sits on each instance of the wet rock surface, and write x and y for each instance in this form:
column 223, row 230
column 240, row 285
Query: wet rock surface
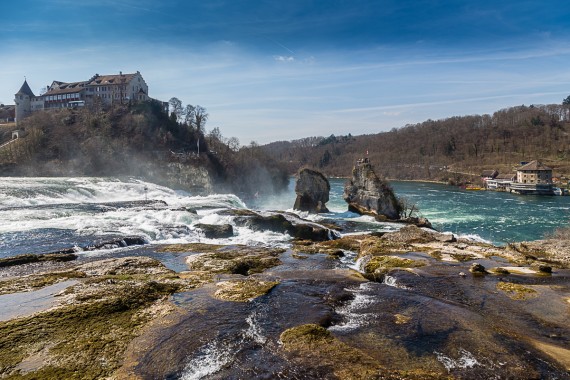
column 553, row 251
column 285, row 223
column 32, row 258
column 212, row 231
column 390, row 306
column 236, row 260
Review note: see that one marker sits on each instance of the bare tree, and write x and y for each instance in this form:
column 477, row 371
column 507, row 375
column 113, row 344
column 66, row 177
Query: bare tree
column 233, row 144
column 196, row 117
column 200, row 118
column 190, row 115
column 176, row 108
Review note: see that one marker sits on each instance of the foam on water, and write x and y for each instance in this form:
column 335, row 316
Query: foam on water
column 474, row 237
column 465, row 360
column 393, row 282
column 93, row 209
column 253, row 331
column 210, row 359
column 353, row 312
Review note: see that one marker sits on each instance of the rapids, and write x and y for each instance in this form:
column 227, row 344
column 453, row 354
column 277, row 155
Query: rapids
column 40, row 215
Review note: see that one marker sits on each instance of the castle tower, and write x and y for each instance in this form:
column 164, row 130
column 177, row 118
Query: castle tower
column 23, row 101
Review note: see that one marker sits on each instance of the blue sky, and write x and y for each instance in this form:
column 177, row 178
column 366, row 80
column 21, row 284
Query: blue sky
column 281, row 70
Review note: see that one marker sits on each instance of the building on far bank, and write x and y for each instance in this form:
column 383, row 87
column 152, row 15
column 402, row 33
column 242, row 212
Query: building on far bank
column 489, row 174
column 501, row 181
column 534, row 172
column 533, row 178
column 117, row 88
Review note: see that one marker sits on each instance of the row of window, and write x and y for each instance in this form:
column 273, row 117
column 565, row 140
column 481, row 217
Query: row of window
column 107, row 88
column 62, row 96
column 541, row 175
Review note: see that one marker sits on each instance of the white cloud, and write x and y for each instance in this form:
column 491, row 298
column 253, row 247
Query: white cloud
column 282, row 58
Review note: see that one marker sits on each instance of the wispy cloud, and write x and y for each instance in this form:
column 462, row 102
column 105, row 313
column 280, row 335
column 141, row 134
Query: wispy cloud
column 447, row 102
column 268, row 70
column 282, row 58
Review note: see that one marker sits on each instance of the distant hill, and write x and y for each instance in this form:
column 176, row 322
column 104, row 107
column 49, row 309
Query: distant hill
column 447, row 149
column 6, row 112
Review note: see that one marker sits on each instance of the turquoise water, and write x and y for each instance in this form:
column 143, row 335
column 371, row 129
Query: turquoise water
column 495, row 217
column 49, row 214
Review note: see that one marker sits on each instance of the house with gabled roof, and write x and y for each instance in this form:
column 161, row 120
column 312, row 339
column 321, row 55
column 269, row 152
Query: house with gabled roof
column 115, row 88
column 534, row 172
column 533, row 178
column 489, row 174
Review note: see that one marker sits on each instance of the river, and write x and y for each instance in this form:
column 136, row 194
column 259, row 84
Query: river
column 47, row 214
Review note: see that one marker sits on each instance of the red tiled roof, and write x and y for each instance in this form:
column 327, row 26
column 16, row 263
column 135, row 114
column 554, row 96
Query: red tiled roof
column 111, row 79
column 67, row 88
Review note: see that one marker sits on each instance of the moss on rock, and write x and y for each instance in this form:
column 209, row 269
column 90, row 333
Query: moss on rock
column 380, row 246
column 379, row 265
column 410, row 234
column 516, row 291
column 243, row 290
column 191, row 247
column 71, row 337
column 314, row 346
column 317, row 345
column 463, row 257
column 37, row 281
column 236, row 260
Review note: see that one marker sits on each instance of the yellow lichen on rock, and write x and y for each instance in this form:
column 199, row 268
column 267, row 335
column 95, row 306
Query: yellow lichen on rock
column 516, row 291
column 191, row 247
column 313, row 345
column 317, row 344
column 243, row 290
column 401, row 319
column 382, row 264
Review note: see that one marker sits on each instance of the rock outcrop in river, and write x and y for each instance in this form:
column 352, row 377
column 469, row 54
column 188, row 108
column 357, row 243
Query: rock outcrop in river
column 367, row 194
column 312, row 189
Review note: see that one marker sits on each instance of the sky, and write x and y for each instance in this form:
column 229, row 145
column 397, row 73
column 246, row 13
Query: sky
column 284, row 70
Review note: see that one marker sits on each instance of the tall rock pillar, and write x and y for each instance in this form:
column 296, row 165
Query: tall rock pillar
column 312, row 190
column 367, row 194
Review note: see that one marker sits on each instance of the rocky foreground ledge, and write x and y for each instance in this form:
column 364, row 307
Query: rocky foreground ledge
column 441, row 299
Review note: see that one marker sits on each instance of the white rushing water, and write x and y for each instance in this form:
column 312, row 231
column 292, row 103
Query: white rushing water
column 46, row 214
column 83, row 209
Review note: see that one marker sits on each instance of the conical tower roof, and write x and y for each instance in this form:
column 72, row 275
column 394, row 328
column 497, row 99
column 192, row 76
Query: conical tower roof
column 25, row 89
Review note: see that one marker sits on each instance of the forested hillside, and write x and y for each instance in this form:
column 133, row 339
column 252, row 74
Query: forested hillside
column 443, row 149
column 132, row 140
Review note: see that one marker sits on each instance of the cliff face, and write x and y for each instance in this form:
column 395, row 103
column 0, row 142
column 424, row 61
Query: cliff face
column 367, row 194
column 196, row 179
column 312, row 190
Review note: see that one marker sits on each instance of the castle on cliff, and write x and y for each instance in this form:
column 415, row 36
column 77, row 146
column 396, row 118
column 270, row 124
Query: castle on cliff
column 109, row 89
